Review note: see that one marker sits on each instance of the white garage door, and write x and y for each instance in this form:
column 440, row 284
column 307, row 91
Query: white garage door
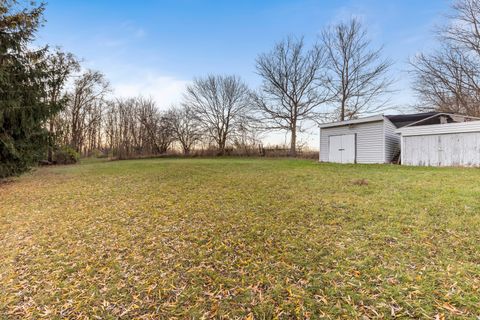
column 458, row 149
column 342, row 149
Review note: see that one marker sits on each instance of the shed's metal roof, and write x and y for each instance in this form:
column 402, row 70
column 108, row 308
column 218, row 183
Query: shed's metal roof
column 451, row 118
column 402, row 120
column 433, row 129
column 379, row 117
column 399, row 120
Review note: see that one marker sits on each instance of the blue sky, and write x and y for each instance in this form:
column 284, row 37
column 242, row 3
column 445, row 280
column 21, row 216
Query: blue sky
column 155, row 48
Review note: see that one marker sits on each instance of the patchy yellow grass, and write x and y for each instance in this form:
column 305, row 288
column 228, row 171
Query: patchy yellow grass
column 234, row 238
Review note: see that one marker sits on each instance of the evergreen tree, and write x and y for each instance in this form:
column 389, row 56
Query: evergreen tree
column 23, row 113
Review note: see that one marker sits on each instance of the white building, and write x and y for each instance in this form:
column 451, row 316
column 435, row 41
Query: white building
column 451, row 144
column 375, row 139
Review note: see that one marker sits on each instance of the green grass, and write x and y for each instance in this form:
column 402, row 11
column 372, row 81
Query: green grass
column 234, row 238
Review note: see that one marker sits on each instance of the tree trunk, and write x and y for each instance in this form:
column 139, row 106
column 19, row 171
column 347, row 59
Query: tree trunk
column 221, row 148
column 221, row 144
column 293, row 141
column 342, row 110
column 50, row 141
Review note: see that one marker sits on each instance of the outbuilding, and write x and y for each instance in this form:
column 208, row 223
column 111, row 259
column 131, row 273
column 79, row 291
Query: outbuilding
column 448, row 144
column 365, row 140
column 374, row 139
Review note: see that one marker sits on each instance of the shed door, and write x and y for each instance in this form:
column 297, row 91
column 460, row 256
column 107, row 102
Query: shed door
column 455, row 149
column 342, row 149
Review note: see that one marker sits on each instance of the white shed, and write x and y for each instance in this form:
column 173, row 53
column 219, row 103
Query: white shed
column 365, row 140
column 449, row 144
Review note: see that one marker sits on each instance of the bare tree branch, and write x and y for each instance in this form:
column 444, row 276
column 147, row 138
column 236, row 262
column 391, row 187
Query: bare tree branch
column 448, row 79
column 291, row 90
column 185, row 127
column 221, row 104
column 357, row 78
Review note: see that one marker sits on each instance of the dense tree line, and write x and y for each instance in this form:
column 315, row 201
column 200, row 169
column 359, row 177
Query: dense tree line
column 53, row 110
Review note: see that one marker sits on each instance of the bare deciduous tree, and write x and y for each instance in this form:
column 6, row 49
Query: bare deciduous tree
column 83, row 116
column 220, row 104
column 155, row 128
column 291, row 89
column 247, row 136
column 357, row 74
column 59, row 67
column 185, row 127
column 464, row 31
column 135, row 127
column 448, row 79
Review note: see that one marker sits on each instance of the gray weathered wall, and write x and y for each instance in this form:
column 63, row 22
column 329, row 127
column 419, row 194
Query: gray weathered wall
column 455, row 149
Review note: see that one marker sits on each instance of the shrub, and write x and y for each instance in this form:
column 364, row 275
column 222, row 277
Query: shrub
column 98, row 153
column 66, row 155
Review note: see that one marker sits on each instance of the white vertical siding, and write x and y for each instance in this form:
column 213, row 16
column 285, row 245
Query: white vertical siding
column 369, row 137
column 455, row 149
column 392, row 140
column 452, row 144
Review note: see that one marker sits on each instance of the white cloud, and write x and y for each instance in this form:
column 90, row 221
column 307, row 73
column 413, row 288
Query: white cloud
column 140, row 33
column 163, row 89
column 133, row 29
column 125, row 34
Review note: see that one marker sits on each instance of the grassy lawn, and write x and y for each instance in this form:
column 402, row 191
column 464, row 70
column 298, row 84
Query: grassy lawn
column 234, row 238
